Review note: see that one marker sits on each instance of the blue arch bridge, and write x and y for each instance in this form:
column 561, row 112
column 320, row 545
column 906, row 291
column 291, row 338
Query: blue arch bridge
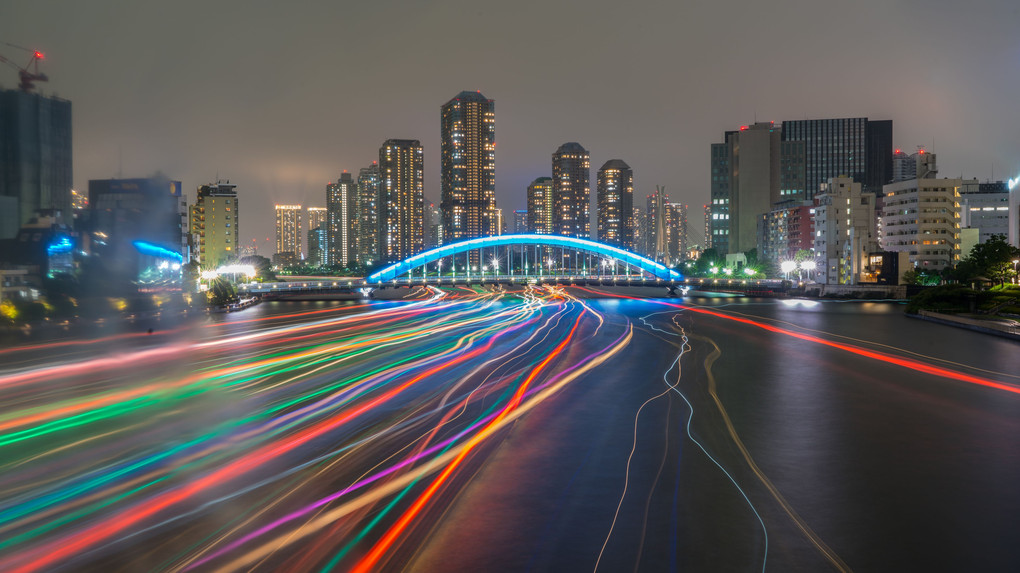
column 516, row 260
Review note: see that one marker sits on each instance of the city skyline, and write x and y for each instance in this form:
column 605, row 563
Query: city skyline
column 282, row 142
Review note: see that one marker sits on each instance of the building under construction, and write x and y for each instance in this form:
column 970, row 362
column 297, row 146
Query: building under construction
column 35, row 151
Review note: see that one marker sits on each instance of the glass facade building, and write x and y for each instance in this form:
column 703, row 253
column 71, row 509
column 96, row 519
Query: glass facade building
column 856, row 147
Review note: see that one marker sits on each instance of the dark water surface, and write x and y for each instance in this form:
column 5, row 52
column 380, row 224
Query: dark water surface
column 861, row 463
column 730, row 434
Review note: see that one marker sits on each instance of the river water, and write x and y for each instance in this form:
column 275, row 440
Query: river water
column 848, row 460
column 729, row 434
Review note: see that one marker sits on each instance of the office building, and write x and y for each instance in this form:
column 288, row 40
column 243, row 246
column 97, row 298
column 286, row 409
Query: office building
column 368, row 208
column 921, row 217
column 315, row 216
column 904, row 166
column 433, row 225
column 708, row 227
column 520, row 221
column 640, row 228
column 343, row 222
column 985, row 207
column 676, row 239
column 288, row 235
column 136, row 225
column 857, row 147
column 1014, row 212
column 401, row 199
column 35, row 158
column 215, row 224
column 317, row 246
column 752, row 170
column 540, row 206
column 571, row 165
column 468, row 132
column 615, row 204
column 655, row 225
column 784, row 231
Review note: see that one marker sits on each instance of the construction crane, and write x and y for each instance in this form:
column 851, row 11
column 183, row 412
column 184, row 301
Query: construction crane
column 29, row 73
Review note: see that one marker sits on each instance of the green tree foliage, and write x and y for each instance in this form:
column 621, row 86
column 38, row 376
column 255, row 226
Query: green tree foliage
column 709, row 258
column 803, row 255
column 221, row 292
column 922, row 277
column 992, row 259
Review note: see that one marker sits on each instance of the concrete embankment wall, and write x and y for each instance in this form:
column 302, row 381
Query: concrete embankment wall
column 857, row 291
column 988, row 327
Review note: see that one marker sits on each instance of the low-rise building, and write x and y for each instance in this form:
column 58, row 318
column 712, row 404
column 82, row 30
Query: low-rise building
column 785, row 230
column 921, row 217
column 845, row 231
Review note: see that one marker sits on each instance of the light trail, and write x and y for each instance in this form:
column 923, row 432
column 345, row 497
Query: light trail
column 915, row 365
column 289, row 370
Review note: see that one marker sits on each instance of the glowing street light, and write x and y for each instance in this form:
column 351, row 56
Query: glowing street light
column 749, row 271
column 787, row 267
column 727, row 271
column 808, row 266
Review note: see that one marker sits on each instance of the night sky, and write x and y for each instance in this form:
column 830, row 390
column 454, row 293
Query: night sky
column 280, row 97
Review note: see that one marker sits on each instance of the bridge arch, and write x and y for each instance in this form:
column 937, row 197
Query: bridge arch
column 645, row 264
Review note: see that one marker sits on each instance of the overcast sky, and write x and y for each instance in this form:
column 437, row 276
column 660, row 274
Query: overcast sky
column 280, row 97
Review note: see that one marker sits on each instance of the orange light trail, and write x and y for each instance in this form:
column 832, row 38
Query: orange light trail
column 43, row 557
column 383, row 545
column 904, row 362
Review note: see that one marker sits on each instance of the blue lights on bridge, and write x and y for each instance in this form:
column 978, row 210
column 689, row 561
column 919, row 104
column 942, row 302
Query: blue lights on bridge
column 645, row 264
column 157, row 251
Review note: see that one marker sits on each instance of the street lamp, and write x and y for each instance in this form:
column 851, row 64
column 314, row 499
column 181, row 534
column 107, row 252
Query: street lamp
column 495, row 266
column 1015, row 280
column 787, row 266
column 749, row 271
column 808, row 266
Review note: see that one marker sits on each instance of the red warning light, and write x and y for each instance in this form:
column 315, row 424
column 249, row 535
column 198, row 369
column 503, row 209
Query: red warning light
column 921, row 152
column 39, row 55
column 898, row 151
column 743, row 128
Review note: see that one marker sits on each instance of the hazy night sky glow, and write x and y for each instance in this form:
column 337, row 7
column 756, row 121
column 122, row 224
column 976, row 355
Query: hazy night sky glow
column 281, row 97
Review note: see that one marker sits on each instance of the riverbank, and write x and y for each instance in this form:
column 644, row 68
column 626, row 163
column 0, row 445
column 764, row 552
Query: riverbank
column 1002, row 327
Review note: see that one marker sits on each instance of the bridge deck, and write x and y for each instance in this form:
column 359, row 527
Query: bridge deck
column 353, row 284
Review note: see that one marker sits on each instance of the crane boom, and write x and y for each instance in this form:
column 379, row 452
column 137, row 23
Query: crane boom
column 29, row 73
